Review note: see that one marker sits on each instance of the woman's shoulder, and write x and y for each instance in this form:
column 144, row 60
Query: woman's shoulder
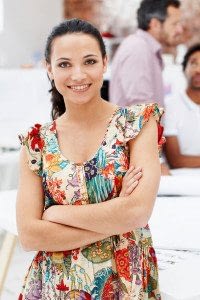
column 36, row 133
column 136, row 116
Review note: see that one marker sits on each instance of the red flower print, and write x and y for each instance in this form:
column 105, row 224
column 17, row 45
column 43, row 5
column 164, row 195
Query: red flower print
column 109, row 288
column 49, row 157
column 108, row 170
column 78, row 202
column 37, row 260
column 35, row 130
column 118, row 142
column 59, row 196
column 61, row 286
column 20, row 297
column 67, row 253
column 118, row 182
column 153, row 255
column 75, row 253
column 129, row 236
column 36, row 141
column 122, row 264
column 53, row 126
column 161, row 139
column 147, row 112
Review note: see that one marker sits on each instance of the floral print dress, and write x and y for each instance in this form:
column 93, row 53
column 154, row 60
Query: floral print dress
column 119, row 267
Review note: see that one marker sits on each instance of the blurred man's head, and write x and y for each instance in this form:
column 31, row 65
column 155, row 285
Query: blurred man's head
column 190, row 13
column 161, row 18
column 191, row 67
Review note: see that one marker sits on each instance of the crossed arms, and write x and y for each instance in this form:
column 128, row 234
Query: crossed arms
column 66, row 227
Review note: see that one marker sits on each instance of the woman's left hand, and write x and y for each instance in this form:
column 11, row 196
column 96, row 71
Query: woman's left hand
column 130, row 181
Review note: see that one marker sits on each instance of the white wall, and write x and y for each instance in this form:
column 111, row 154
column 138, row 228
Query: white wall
column 26, row 26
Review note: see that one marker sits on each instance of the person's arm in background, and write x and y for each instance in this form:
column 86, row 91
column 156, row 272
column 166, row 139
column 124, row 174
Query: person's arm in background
column 176, row 159
column 126, row 213
column 172, row 148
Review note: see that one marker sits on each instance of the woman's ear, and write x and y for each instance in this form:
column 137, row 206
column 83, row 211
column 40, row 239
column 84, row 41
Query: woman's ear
column 105, row 63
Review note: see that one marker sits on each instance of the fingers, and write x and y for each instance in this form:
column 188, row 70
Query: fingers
column 133, row 179
column 131, row 168
column 138, row 175
column 131, row 188
column 132, row 172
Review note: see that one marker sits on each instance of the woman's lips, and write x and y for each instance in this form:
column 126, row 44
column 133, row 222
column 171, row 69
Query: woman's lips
column 80, row 87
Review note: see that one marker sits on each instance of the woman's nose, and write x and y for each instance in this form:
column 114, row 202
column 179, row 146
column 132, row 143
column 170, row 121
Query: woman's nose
column 78, row 74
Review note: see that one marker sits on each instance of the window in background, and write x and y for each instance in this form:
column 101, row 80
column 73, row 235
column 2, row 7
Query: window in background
column 1, row 15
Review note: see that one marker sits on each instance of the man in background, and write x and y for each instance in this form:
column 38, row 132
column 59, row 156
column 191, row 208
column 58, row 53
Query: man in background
column 136, row 75
column 182, row 117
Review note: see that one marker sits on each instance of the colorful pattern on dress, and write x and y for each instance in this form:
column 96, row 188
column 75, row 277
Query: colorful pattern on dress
column 119, row 267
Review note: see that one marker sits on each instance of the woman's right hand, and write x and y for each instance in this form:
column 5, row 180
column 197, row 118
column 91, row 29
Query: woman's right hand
column 130, row 181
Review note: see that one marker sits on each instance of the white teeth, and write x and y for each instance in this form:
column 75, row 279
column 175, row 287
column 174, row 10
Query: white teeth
column 79, row 87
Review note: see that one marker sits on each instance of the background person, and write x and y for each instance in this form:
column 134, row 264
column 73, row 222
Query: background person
column 137, row 65
column 182, row 117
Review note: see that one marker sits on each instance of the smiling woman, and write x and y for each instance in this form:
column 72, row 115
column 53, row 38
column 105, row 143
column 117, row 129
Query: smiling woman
column 81, row 203
column 76, row 61
column 77, row 75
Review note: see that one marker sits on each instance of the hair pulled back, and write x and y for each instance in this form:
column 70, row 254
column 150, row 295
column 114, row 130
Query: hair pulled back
column 68, row 27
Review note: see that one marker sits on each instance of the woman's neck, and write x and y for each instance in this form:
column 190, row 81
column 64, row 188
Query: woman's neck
column 84, row 113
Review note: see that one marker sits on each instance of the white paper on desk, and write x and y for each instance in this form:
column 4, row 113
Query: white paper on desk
column 185, row 185
column 175, row 223
column 181, row 281
column 7, row 211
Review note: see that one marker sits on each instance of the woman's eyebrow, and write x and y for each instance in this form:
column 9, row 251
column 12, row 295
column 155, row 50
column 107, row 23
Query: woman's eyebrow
column 89, row 55
column 63, row 58
column 86, row 56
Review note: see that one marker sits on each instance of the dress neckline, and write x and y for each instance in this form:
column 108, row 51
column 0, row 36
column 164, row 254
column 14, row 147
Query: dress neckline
column 98, row 149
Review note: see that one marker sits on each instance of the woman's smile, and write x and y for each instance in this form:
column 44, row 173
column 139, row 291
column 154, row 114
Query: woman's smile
column 79, row 88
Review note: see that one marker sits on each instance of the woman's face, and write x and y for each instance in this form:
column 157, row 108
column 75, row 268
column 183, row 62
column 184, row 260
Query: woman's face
column 77, row 67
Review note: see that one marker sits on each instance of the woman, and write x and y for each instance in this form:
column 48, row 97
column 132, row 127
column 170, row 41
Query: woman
column 93, row 248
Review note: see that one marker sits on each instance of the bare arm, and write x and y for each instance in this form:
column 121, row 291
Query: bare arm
column 176, row 159
column 37, row 234
column 121, row 214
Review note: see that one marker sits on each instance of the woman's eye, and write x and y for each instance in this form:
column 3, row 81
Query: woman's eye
column 90, row 62
column 64, row 65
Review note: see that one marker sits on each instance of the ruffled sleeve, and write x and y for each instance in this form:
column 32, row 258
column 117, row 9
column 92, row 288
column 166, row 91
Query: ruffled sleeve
column 138, row 115
column 34, row 144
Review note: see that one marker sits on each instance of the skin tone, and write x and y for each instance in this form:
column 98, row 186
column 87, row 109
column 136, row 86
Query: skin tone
column 169, row 32
column 192, row 73
column 78, row 77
